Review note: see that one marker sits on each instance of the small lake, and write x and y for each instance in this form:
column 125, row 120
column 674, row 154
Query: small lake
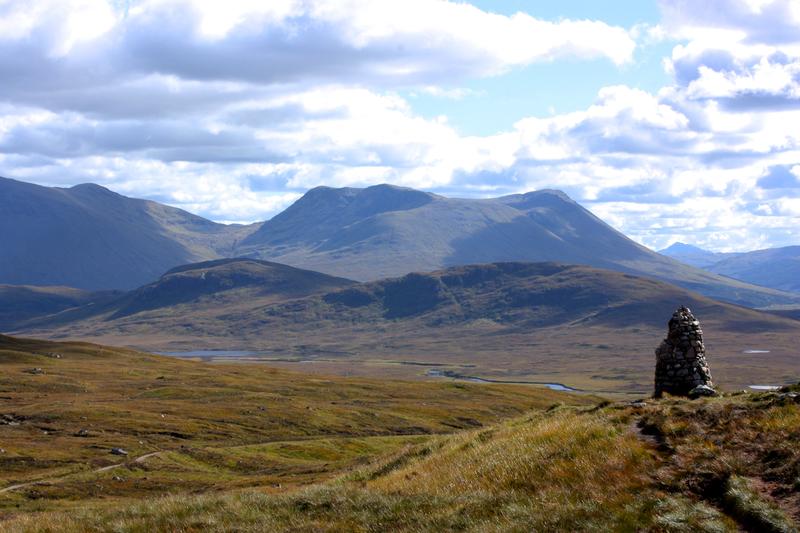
column 211, row 353
column 475, row 379
column 764, row 387
column 756, row 351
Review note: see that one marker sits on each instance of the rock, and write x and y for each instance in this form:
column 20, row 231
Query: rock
column 681, row 365
column 82, row 433
column 702, row 390
column 118, row 451
column 11, row 420
column 35, row 371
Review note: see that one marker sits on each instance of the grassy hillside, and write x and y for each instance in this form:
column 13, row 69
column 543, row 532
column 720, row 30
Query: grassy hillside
column 585, row 327
column 716, row 465
column 190, row 427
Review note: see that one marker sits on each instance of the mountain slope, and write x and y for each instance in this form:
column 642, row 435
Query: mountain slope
column 91, row 238
column 20, row 303
column 384, row 231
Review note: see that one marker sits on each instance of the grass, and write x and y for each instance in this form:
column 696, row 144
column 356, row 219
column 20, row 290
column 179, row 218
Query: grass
column 721, row 464
column 212, row 427
column 563, row 470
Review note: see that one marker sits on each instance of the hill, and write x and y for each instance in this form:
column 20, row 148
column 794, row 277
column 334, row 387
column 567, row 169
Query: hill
column 226, row 281
column 722, row 464
column 586, row 327
column 384, row 231
column 91, row 238
column 693, row 255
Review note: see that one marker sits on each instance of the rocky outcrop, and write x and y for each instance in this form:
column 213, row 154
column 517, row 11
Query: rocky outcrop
column 681, row 367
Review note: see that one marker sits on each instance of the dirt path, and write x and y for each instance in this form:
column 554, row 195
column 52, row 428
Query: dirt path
column 140, row 459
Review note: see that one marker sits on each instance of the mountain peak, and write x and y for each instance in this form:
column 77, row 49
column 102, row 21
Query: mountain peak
column 682, row 247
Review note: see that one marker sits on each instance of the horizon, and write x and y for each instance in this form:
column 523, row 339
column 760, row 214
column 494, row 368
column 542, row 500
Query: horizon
column 234, row 222
column 669, row 121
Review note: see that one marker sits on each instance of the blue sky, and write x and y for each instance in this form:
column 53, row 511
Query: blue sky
column 673, row 120
column 568, row 84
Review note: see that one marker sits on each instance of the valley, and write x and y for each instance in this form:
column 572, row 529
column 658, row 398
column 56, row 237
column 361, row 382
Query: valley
column 587, row 328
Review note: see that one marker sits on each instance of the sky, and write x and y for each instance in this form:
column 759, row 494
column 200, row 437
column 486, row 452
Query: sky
column 672, row 120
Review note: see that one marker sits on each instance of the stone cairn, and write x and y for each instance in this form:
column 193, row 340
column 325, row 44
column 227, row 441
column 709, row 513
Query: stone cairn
column 681, row 367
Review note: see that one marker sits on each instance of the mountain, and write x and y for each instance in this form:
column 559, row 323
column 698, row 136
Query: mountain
column 91, row 238
column 20, row 303
column 383, row 231
column 778, row 268
column 577, row 323
column 693, row 255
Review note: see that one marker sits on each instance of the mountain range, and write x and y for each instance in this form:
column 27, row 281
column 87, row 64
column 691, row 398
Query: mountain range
column 91, row 238
column 778, row 268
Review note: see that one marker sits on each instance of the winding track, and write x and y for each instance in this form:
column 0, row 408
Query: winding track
column 140, row 459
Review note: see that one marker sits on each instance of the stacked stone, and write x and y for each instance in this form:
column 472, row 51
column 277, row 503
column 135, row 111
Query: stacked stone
column 681, row 367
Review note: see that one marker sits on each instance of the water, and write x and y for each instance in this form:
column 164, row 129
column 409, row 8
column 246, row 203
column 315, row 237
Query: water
column 475, row 379
column 756, row 351
column 765, row 387
column 211, row 353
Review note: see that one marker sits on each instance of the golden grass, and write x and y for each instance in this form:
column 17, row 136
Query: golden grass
column 716, row 465
column 561, row 471
column 213, row 427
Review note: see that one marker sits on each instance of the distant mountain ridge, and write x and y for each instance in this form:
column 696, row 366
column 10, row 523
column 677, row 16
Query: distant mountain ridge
column 91, row 238
column 693, row 255
column 776, row 268
column 386, row 231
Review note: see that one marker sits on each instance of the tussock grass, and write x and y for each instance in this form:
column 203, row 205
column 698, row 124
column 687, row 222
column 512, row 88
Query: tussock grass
column 566, row 470
column 215, row 427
